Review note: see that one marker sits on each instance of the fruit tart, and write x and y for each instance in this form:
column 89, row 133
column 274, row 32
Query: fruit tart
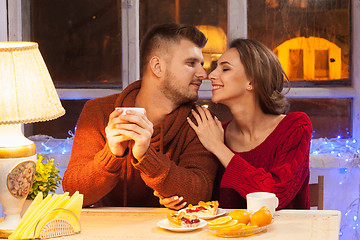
column 203, row 209
column 180, row 219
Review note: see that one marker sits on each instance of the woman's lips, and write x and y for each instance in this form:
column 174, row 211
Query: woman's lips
column 216, row 87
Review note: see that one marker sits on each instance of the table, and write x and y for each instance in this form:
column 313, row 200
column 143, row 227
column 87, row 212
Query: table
column 141, row 223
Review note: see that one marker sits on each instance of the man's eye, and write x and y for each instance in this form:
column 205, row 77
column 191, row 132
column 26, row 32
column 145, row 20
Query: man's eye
column 225, row 69
column 191, row 64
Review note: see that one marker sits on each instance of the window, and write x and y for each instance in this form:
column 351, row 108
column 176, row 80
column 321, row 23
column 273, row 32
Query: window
column 314, row 35
column 310, row 37
column 312, row 41
column 295, row 69
column 211, row 19
column 80, row 42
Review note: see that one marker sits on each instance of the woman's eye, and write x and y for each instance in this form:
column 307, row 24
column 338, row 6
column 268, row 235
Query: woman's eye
column 225, row 69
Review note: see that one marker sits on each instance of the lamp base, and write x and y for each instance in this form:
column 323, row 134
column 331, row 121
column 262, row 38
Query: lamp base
column 17, row 171
column 10, row 222
column 16, row 177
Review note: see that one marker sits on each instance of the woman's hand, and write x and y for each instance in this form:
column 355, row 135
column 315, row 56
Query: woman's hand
column 173, row 202
column 208, row 129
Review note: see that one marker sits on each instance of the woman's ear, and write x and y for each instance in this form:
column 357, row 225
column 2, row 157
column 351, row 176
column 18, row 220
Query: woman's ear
column 249, row 87
column 155, row 66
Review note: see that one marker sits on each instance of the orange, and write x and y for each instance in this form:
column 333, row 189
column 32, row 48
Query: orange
column 261, row 217
column 241, row 215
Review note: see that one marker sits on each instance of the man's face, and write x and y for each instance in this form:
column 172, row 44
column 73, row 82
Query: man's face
column 184, row 72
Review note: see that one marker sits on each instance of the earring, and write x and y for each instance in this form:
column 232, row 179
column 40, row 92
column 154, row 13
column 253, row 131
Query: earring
column 249, row 87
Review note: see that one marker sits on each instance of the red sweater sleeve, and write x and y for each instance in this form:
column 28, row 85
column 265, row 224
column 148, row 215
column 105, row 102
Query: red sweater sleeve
column 288, row 158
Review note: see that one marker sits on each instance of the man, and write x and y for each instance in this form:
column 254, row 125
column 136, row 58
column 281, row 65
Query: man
column 120, row 160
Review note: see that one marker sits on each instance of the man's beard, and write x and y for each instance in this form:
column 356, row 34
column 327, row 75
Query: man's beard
column 171, row 91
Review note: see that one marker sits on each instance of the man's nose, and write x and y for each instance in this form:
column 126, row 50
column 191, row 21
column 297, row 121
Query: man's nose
column 201, row 73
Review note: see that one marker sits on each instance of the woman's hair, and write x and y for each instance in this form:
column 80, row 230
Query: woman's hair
column 266, row 74
column 160, row 37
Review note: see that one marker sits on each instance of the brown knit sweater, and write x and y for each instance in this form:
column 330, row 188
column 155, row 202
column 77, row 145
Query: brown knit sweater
column 175, row 164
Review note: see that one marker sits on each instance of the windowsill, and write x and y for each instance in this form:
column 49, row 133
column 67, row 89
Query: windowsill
column 329, row 161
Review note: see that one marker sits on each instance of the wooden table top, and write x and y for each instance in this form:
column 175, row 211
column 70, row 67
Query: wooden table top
column 141, row 223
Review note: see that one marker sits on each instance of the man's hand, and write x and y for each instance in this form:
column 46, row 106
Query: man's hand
column 117, row 142
column 173, row 202
column 132, row 126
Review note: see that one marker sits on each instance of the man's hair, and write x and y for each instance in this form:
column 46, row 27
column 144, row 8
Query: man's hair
column 266, row 74
column 159, row 37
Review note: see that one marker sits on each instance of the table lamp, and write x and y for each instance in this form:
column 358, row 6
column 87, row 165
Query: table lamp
column 27, row 95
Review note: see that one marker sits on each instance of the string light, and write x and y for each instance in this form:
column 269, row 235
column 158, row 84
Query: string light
column 347, row 151
column 48, row 145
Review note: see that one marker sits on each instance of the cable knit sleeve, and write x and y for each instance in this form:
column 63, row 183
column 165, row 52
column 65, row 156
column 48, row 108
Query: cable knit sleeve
column 285, row 161
column 93, row 170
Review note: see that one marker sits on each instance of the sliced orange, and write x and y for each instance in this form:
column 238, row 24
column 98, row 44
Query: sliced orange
column 230, row 223
column 220, row 221
column 250, row 226
column 235, row 227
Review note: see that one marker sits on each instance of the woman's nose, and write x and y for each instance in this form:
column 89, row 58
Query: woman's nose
column 212, row 75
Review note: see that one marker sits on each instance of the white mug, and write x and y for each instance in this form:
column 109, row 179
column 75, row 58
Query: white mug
column 256, row 200
column 137, row 109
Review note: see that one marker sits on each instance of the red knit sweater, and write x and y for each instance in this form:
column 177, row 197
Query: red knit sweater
column 279, row 165
column 175, row 164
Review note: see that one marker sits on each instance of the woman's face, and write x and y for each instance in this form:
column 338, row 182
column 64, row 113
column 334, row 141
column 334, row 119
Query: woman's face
column 229, row 79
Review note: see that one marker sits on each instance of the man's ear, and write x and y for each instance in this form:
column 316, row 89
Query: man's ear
column 155, row 66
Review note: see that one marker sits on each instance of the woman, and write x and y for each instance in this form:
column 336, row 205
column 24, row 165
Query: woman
column 261, row 148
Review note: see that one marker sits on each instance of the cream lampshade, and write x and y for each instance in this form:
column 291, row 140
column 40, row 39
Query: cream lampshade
column 27, row 95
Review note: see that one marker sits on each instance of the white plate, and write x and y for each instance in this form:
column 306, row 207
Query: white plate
column 219, row 213
column 165, row 225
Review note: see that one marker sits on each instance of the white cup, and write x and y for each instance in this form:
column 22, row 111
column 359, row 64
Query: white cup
column 137, row 109
column 256, row 200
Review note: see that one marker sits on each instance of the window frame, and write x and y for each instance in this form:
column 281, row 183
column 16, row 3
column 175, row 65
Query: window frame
column 15, row 26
